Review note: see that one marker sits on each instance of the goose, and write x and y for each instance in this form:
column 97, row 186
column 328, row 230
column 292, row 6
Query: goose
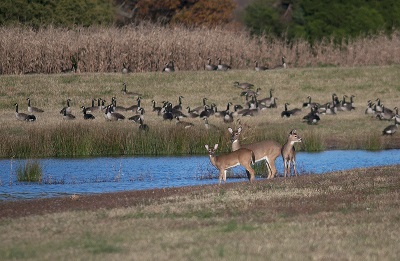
column 378, row 107
column 125, row 92
column 32, row 109
column 251, row 92
column 179, row 105
column 125, row 69
column 259, row 68
column 116, row 108
column 167, row 114
column 228, row 118
column 222, row 113
column 391, row 129
column 183, row 124
column 192, row 114
column 169, row 67
column 68, row 116
column 209, row 66
column 369, row 109
column 143, row 126
column 208, row 111
column 87, row 116
column 310, row 104
column 385, row 114
column 347, row 106
column 113, row 116
column 92, row 108
column 269, row 101
column 156, row 108
column 243, row 85
column 209, row 126
column 23, row 116
column 136, row 118
column 222, row 66
column 66, row 109
column 287, row 113
column 199, row 108
column 327, row 109
column 312, row 117
column 396, row 119
column 135, row 108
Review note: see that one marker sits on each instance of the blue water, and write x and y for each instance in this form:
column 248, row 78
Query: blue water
column 97, row 175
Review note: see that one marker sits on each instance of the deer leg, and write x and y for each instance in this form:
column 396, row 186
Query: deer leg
column 294, row 167
column 250, row 172
column 225, row 176
column 268, row 164
column 285, row 165
column 221, row 174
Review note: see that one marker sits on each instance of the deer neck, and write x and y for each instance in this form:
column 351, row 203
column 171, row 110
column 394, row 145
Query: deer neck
column 235, row 145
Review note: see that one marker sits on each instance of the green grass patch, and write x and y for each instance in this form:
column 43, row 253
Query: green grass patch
column 30, row 171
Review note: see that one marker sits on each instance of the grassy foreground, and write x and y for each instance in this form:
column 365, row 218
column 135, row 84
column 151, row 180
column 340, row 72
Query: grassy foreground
column 351, row 215
column 51, row 136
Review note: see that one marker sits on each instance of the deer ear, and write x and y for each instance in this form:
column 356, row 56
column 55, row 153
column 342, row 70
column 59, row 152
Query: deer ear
column 215, row 146
column 206, row 147
column 239, row 129
column 230, row 130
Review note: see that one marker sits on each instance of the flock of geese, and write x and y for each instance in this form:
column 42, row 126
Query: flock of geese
column 252, row 106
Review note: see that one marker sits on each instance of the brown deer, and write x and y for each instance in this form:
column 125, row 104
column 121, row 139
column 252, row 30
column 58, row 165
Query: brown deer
column 267, row 150
column 224, row 162
column 289, row 153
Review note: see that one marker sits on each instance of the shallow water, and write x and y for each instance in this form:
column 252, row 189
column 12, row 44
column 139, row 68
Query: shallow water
column 98, row 175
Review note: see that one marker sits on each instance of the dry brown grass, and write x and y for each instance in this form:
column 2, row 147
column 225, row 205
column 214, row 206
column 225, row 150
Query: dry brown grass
column 149, row 47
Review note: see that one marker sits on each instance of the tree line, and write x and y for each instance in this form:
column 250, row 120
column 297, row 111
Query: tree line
column 312, row 20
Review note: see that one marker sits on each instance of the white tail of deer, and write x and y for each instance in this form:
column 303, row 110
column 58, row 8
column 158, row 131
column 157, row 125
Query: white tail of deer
column 224, row 162
column 289, row 153
column 267, row 150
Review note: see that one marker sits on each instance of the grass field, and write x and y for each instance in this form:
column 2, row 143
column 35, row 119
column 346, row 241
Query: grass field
column 351, row 215
column 51, row 136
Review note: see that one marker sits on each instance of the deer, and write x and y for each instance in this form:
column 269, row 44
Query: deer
column 223, row 162
column 289, row 153
column 267, row 150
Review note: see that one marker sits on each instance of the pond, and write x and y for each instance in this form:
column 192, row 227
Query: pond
column 62, row 177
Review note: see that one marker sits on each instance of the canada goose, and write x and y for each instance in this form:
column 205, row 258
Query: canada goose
column 135, row 108
column 183, row 124
column 369, row 109
column 113, row 116
column 287, row 113
column 310, row 104
column 259, row 68
column 33, row 109
column 125, row 92
column 396, row 119
column 391, row 129
column 179, row 105
column 208, row 111
column 347, row 106
column 228, row 118
column 136, row 118
column 327, row 109
column 156, row 108
column 167, row 114
column 93, row 108
column 199, row 108
column 209, row 126
column 284, row 65
column 125, row 69
column 116, row 108
column 169, row 67
column 222, row 66
column 251, row 92
column 66, row 109
column 269, row 101
column 143, row 126
column 222, row 113
column 68, row 116
column 312, row 117
column 243, row 85
column 378, row 107
column 192, row 114
column 87, row 116
column 209, row 66
column 23, row 116
column 385, row 114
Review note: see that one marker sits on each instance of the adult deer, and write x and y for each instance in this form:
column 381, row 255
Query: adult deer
column 289, row 153
column 267, row 150
column 224, row 162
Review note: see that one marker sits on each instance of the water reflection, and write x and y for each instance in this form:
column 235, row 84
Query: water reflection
column 97, row 175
